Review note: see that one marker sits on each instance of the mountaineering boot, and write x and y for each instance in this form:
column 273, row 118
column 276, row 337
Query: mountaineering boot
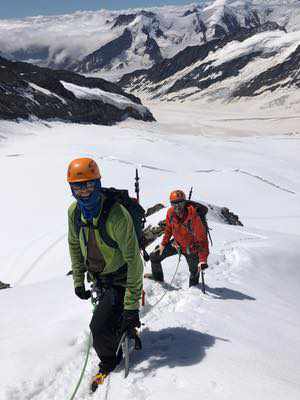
column 194, row 279
column 97, row 380
column 107, row 365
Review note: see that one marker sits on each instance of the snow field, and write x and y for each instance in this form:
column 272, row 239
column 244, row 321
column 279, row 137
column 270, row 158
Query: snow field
column 241, row 339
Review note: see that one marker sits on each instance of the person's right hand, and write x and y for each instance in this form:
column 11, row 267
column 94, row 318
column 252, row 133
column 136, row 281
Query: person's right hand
column 130, row 320
column 82, row 293
column 161, row 249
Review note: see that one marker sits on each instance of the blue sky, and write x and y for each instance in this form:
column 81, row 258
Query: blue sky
column 23, row 8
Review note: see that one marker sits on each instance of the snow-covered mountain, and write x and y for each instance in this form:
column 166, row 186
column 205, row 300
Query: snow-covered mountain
column 245, row 64
column 28, row 91
column 118, row 42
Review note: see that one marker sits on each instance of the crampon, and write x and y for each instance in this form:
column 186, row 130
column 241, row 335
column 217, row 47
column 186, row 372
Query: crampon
column 98, row 380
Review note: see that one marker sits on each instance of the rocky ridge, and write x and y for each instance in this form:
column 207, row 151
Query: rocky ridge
column 28, row 91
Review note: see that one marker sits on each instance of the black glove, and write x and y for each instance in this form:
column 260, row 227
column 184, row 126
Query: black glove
column 82, row 293
column 202, row 266
column 130, row 320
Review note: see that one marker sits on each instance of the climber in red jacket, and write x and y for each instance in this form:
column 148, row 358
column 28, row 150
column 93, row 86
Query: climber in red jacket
column 184, row 225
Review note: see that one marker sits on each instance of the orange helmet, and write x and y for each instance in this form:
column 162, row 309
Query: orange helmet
column 83, row 169
column 177, row 195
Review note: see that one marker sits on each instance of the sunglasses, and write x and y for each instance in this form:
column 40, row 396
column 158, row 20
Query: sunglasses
column 179, row 203
column 80, row 187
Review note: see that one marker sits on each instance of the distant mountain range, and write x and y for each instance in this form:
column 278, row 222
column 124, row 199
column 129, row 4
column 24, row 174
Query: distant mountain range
column 216, row 49
column 241, row 65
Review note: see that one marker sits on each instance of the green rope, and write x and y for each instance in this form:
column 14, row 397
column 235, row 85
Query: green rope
column 172, row 280
column 90, row 335
column 84, row 367
column 85, row 362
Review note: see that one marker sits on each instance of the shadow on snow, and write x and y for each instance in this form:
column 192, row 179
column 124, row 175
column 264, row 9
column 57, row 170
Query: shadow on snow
column 172, row 347
column 227, row 294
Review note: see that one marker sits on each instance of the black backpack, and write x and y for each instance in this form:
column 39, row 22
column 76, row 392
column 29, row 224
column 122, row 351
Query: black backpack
column 136, row 211
column 201, row 210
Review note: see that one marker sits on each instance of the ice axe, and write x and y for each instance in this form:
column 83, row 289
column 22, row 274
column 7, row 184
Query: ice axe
column 190, row 193
column 203, row 283
column 137, row 185
column 201, row 269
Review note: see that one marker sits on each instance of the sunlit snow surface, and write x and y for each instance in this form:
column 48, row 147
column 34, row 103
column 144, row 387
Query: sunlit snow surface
column 114, row 99
column 239, row 341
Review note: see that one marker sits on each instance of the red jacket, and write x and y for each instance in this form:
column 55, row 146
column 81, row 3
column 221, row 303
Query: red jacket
column 189, row 232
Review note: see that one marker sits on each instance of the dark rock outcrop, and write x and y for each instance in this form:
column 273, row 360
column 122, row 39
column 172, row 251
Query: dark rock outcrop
column 230, row 217
column 124, row 19
column 106, row 54
column 153, row 50
column 4, row 285
column 211, row 75
column 28, row 91
column 154, row 209
column 274, row 77
column 171, row 66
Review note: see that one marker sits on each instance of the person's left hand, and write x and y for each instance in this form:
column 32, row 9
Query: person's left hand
column 202, row 266
column 161, row 249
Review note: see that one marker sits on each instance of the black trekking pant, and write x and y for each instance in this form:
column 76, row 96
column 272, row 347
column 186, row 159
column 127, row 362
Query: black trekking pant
column 157, row 271
column 105, row 326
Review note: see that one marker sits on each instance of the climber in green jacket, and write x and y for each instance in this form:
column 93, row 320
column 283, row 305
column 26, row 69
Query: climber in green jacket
column 117, row 272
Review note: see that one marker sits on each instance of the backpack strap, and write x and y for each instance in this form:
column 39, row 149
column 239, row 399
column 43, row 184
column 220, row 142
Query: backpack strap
column 77, row 218
column 107, row 206
column 80, row 224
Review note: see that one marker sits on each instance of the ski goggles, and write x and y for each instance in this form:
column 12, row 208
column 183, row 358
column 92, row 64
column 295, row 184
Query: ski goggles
column 83, row 188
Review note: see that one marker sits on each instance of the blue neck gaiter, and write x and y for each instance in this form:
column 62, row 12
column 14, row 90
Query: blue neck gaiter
column 90, row 206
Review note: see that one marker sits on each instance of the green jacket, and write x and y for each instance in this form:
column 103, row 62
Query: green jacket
column 119, row 226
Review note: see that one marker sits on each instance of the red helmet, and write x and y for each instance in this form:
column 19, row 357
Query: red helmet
column 82, row 170
column 177, row 195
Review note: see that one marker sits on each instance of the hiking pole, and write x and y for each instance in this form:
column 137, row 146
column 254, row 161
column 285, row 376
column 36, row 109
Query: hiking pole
column 203, row 283
column 137, row 192
column 137, row 185
column 191, row 192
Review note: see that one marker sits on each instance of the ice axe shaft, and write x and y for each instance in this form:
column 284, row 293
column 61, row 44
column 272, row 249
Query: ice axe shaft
column 203, row 283
column 137, row 185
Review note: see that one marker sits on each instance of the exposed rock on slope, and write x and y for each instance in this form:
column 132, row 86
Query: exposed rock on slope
column 28, row 91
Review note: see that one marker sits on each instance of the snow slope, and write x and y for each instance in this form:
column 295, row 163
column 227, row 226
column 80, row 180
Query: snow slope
column 240, row 340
